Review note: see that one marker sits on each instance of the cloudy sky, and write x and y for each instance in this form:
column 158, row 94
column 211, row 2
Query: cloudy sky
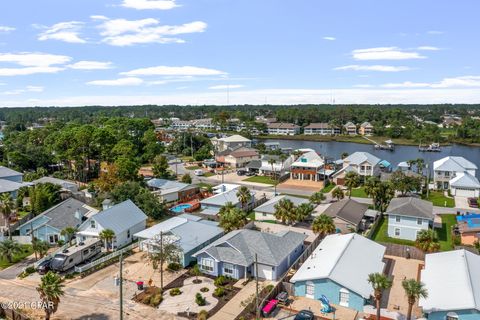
column 116, row 52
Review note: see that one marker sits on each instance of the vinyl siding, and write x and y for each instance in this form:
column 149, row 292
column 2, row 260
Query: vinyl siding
column 408, row 227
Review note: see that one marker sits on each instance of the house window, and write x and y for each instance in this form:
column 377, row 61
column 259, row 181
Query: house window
column 228, row 269
column 397, row 232
column 92, row 224
column 207, row 265
column 447, row 174
column 344, row 297
column 397, row 218
column 53, row 238
column 264, row 214
column 128, row 233
column 419, row 221
column 310, row 289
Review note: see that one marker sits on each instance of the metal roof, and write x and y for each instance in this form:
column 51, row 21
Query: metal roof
column 465, row 180
column 120, row 217
column 269, row 206
column 9, row 186
column 7, row 172
column 452, row 163
column 360, row 157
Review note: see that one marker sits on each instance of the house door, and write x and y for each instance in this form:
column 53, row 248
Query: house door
column 310, row 290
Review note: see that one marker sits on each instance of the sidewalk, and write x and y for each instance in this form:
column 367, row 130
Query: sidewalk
column 233, row 308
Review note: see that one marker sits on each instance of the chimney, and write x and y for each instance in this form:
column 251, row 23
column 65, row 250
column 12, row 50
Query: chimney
column 107, row 204
column 78, row 215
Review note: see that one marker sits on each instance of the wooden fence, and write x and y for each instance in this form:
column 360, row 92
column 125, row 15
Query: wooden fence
column 12, row 314
column 400, row 250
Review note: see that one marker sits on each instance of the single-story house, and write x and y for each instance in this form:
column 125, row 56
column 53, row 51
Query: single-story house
column 465, row 185
column 452, row 280
column 237, row 158
column 48, row 225
column 190, row 233
column 338, row 269
column 408, row 216
column 172, row 191
column 266, row 211
column 234, row 254
column 124, row 219
column 348, row 215
column 222, row 195
column 64, row 184
column 11, row 181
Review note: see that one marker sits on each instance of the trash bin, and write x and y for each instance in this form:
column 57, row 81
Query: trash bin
column 140, row 285
column 117, row 281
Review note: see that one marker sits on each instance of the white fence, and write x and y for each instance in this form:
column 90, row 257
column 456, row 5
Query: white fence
column 19, row 239
column 106, row 258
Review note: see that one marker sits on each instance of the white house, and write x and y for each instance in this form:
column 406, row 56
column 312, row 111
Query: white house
column 465, row 185
column 124, row 219
column 408, row 216
column 322, row 129
column 231, row 143
column 363, row 163
column 172, row 191
column 338, row 268
column 453, row 282
column 283, row 129
column 445, row 169
column 308, row 167
column 223, row 194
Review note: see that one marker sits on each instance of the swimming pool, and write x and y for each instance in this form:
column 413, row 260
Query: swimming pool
column 472, row 219
column 181, row 207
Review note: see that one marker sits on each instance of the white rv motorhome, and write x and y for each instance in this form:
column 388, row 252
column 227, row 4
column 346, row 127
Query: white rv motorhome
column 76, row 255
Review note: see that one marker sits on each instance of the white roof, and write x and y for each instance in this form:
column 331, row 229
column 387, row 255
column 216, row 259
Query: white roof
column 465, row 180
column 454, row 164
column 345, row 259
column 235, row 138
column 403, row 164
column 453, row 281
column 311, row 158
column 360, row 157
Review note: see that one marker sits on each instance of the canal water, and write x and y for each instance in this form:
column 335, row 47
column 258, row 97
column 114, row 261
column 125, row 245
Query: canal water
column 333, row 149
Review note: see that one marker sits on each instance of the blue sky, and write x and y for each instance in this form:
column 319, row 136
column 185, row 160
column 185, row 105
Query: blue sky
column 116, row 52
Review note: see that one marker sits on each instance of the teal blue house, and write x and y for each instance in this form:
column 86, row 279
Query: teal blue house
column 338, row 269
column 453, row 282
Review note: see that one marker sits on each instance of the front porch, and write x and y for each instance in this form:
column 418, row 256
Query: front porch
column 339, row 312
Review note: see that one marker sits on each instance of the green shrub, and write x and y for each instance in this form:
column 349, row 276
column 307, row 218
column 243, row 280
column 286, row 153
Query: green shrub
column 71, row 275
column 200, row 300
column 155, row 300
column 202, row 315
column 219, row 292
column 204, row 289
column 221, row 281
column 175, row 292
column 173, row 266
column 30, row 270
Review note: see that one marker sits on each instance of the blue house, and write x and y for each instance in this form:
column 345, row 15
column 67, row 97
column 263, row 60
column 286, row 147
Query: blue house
column 234, row 254
column 48, row 225
column 338, row 269
column 190, row 233
column 11, row 181
column 408, row 216
column 453, row 282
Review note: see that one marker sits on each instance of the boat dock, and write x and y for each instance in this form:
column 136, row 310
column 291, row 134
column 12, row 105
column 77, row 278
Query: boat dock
column 434, row 147
column 389, row 145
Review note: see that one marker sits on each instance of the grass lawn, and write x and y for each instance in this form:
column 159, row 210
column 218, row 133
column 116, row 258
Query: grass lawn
column 381, row 235
column 328, row 187
column 251, row 216
column 359, row 193
column 438, row 199
column 22, row 214
column 261, row 179
column 208, row 174
column 204, row 185
column 192, row 168
column 445, row 233
column 26, row 251
column 297, row 195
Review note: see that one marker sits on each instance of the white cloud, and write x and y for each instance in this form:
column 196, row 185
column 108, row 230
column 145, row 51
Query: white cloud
column 226, row 86
column 6, row 29
column 173, row 71
column 98, row 17
column 122, row 32
column 363, row 86
column 21, row 91
column 150, row 4
column 406, row 84
column 68, row 31
column 428, row 48
column 435, row 32
column 130, row 81
column 329, row 38
column 35, row 88
column 32, row 63
column 455, row 82
column 91, row 65
column 380, row 68
column 385, row 53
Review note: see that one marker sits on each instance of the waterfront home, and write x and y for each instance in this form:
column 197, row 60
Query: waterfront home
column 237, row 158
column 234, row 254
column 124, row 219
column 283, row 129
column 366, row 129
column 265, row 167
column 445, row 169
column 465, row 185
column 231, row 143
column 338, row 268
column 188, row 232
column 172, row 191
column 48, row 225
column 452, row 280
column 308, row 167
column 350, row 128
column 408, row 216
column 348, row 215
column 322, row 129
column 224, row 194
column 266, row 211
column 363, row 163
column 64, row 184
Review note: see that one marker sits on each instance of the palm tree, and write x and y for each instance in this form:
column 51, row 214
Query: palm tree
column 476, row 244
column 232, row 219
column 338, row 193
column 285, row 211
column 50, row 290
column 352, row 180
column 244, row 196
column 323, row 225
column 7, row 206
column 317, row 197
column 107, row 236
column 271, row 162
column 371, row 186
column 420, row 165
column 304, row 211
column 427, row 241
column 8, row 249
column 414, row 290
column 226, row 208
column 68, row 233
column 379, row 283
column 344, row 155
column 40, row 247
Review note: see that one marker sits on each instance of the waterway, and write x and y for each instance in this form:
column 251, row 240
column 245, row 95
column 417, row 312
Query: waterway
column 334, row 150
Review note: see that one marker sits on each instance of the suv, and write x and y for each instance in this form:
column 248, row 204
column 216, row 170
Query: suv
column 44, row 267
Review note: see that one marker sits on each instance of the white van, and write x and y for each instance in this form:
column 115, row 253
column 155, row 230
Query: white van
column 198, row 172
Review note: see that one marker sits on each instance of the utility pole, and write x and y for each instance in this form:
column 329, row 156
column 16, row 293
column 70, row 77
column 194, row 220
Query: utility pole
column 161, row 261
column 257, row 309
column 121, row 285
column 33, row 238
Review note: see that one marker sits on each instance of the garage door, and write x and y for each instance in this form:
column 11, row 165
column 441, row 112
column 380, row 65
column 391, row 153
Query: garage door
column 464, row 192
column 265, row 272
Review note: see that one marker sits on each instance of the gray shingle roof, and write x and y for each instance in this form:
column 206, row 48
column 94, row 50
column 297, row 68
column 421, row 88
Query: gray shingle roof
column 9, row 186
column 120, row 217
column 240, row 246
column 7, row 172
column 411, row 207
column 269, row 206
column 348, row 210
column 62, row 183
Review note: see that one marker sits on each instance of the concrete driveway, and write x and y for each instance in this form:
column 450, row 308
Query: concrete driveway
column 13, row 271
column 461, row 202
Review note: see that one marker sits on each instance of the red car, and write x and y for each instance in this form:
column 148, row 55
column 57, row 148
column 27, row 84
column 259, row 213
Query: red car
column 473, row 202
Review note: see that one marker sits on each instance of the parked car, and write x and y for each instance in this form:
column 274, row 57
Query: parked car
column 304, row 315
column 198, row 172
column 44, row 266
column 241, row 172
column 250, row 174
column 473, row 202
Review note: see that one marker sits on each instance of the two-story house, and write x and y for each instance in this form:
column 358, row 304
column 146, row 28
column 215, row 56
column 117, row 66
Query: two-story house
column 350, row 128
column 307, row 167
column 457, row 174
column 322, row 129
column 283, row 129
column 230, row 143
column 363, row 163
column 366, row 129
column 408, row 216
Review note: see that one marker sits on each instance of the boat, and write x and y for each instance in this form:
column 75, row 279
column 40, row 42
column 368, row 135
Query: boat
column 434, row 147
column 389, row 145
